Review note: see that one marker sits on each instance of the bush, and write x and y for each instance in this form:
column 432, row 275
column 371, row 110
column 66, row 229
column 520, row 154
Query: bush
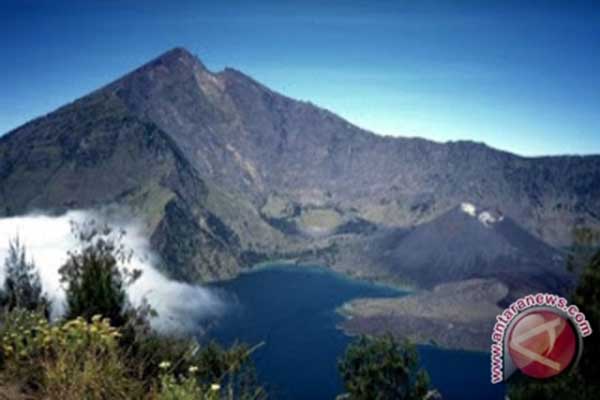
column 174, row 359
column 85, row 362
column 73, row 360
column 185, row 387
column 382, row 369
column 22, row 348
column 96, row 275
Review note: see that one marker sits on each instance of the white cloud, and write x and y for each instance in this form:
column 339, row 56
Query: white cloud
column 48, row 238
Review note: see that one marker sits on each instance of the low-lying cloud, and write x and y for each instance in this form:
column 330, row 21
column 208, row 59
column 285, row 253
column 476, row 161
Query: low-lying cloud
column 47, row 240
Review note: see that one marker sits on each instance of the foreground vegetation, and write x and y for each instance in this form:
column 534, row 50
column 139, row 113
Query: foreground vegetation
column 102, row 347
column 383, row 369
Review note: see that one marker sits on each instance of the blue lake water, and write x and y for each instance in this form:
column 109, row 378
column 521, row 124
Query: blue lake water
column 292, row 309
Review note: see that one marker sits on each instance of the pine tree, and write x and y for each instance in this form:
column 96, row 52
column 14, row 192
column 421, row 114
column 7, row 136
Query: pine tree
column 22, row 286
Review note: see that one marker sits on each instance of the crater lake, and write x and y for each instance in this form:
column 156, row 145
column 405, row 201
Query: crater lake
column 292, row 309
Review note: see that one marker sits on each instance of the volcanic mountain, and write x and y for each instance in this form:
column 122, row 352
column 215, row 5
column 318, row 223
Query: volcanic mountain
column 225, row 172
column 462, row 244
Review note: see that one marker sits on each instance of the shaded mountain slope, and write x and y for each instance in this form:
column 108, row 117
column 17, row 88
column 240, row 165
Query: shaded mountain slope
column 93, row 153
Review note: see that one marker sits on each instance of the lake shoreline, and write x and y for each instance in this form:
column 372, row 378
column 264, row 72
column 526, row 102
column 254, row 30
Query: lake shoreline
column 458, row 315
column 402, row 314
column 294, row 309
column 292, row 263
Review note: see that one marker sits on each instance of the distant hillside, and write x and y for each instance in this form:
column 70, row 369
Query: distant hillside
column 227, row 172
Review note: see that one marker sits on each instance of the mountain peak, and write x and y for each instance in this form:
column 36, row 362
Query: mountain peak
column 175, row 62
column 175, row 56
column 176, row 53
column 174, row 68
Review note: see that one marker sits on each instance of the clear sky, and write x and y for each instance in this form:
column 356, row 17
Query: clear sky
column 519, row 75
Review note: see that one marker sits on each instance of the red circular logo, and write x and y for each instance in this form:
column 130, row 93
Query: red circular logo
column 542, row 344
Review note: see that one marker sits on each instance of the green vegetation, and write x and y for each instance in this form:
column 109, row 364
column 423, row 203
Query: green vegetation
column 383, row 369
column 96, row 275
column 104, row 348
column 22, row 287
column 68, row 360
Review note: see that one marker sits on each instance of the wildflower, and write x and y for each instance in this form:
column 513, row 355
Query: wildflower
column 164, row 365
column 193, row 369
column 96, row 318
column 215, row 387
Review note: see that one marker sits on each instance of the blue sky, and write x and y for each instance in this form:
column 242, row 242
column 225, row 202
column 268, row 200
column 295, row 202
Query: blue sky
column 523, row 76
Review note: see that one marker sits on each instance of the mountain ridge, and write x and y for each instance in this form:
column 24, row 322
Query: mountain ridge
column 182, row 51
column 282, row 178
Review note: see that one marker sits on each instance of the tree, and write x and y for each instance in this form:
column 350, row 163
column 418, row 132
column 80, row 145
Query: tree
column 97, row 274
column 22, row 286
column 383, row 369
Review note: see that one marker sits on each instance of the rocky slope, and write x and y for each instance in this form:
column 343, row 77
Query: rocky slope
column 464, row 243
column 226, row 172
column 457, row 315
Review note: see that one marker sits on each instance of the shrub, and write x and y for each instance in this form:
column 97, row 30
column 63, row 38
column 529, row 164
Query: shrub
column 96, row 275
column 382, row 369
column 205, row 372
column 73, row 360
column 185, row 387
column 22, row 347
column 147, row 351
column 85, row 362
